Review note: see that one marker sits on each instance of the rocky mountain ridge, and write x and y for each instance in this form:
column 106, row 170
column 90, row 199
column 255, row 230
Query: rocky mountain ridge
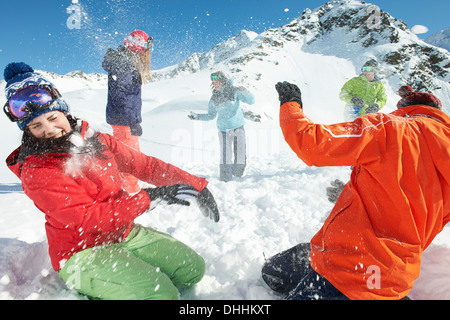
column 348, row 29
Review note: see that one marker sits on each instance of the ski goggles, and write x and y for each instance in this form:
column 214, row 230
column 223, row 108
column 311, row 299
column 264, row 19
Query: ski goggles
column 148, row 45
column 367, row 69
column 24, row 101
column 217, row 76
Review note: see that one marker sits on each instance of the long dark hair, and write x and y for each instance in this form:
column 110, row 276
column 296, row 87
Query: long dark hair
column 36, row 146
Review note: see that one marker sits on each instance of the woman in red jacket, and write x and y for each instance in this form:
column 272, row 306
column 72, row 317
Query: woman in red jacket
column 72, row 174
column 396, row 202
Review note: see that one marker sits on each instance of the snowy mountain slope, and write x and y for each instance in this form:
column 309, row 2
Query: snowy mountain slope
column 278, row 203
column 440, row 39
column 343, row 29
column 275, row 205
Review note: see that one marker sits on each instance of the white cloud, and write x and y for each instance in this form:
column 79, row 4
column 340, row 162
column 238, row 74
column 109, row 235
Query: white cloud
column 419, row 29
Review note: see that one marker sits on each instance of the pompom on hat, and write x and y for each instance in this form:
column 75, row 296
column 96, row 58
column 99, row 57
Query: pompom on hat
column 411, row 98
column 16, row 68
column 19, row 75
column 138, row 41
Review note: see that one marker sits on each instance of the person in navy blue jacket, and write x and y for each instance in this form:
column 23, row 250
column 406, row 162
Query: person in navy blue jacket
column 225, row 105
column 128, row 68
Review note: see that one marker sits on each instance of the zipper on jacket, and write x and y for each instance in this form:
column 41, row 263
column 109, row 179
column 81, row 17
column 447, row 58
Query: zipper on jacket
column 358, row 168
column 421, row 115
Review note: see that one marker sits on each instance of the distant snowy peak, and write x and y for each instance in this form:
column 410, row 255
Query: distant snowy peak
column 219, row 54
column 89, row 79
column 440, row 39
column 361, row 24
column 71, row 81
column 76, row 80
column 349, row 25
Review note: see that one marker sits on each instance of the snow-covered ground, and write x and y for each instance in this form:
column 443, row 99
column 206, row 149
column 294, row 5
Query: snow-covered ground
column 278, row 203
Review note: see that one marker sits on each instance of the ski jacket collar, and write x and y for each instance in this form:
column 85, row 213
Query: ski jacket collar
column 423, row 111
column 80, row 132
column 376, row 79
column 226, row 94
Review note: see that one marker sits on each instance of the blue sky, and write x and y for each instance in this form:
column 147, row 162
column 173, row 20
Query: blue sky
column 36, row 32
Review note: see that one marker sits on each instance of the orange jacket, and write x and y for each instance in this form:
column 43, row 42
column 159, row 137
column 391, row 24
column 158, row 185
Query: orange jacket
column 396, row 202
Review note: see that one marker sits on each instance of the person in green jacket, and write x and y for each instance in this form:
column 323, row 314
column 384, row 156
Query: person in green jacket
column 363, row 94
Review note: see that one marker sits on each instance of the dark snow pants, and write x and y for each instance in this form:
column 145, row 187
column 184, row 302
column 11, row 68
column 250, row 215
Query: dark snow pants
column 290, row 273
column 232, row 153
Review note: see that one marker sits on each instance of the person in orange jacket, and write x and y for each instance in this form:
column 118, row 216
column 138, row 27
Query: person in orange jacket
column 396, row 202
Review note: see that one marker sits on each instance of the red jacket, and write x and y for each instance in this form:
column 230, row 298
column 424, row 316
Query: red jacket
column 397, row 200
column 83, row 201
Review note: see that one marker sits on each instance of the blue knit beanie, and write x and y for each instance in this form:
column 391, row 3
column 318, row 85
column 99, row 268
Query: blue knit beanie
column 19, row 75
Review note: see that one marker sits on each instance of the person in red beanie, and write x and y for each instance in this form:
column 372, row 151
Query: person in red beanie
column 396, row 202
column 128, row 68
column 411, row 98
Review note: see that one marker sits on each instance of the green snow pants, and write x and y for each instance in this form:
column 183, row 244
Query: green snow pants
column 148, row 265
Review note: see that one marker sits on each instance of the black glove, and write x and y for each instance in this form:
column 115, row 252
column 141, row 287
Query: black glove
column 193, row 116
column 207, row 205
column 175, row 194
column 357, row 101
column 373, row 108
column 288, row 92
column 136, row 130
column 335, row 190
column 242, row 89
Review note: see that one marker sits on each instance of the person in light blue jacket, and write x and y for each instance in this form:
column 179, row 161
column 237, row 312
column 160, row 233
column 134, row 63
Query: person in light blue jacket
column 225, row 105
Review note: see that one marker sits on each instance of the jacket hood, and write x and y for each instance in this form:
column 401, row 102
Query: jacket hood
column 13, row 162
